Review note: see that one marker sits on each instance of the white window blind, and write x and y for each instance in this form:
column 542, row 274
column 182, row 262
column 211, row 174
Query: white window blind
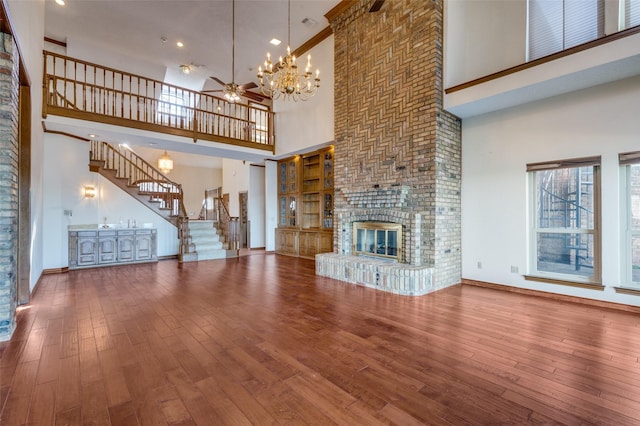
column 556, row 25
column 631, row 13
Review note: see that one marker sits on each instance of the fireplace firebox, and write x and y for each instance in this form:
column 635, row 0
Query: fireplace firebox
column 378, row 239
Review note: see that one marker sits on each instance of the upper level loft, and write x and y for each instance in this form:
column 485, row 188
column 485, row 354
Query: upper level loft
column 86, row 91
column 500, row 54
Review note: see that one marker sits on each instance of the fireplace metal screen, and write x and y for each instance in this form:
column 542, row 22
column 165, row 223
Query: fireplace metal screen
column 380, row 239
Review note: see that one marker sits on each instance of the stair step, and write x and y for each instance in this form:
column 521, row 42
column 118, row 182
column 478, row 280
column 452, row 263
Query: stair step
column 212, row 254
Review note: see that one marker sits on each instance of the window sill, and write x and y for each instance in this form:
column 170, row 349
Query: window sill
column 628, row 290
column 588, row 286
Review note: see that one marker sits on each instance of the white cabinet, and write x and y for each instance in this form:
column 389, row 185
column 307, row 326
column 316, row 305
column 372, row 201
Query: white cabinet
column 101, row 247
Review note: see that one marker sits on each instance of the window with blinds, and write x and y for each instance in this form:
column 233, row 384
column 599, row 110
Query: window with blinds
column 556, row 25
column 631, row 13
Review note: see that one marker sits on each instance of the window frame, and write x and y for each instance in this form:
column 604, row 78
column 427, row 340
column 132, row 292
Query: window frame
column 626, row 161
column 533, row 222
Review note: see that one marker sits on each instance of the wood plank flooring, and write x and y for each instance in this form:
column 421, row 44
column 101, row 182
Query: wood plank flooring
column 262, row 340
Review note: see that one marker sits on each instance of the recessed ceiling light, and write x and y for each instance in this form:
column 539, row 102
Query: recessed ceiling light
column 180, row 44
column 60, row 2
column 275, row 42
column 153, row 143
column 93, row 135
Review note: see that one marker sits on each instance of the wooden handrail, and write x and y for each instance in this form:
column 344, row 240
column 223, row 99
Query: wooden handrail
column 230, row 225
column 138, row 171
column 104, row 94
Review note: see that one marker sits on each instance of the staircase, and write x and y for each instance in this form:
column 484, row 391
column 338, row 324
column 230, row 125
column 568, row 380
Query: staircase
column 199, row 240
column 206, row 240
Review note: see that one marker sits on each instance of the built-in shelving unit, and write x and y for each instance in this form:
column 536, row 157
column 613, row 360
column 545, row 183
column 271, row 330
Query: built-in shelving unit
column 305, row 204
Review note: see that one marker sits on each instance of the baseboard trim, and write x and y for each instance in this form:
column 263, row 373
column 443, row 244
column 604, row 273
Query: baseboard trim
column 33, row 292
column 169, row 257
column 553, row 296
column 51, row 271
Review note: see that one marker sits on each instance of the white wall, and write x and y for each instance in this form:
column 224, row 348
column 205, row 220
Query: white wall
column 235, row 179
column 66, row 172
column 483, row 37
column 256, row 206
column 496, row 148
column 27, row 19
column 194, row 181
column 271, row 204
column 306, row 124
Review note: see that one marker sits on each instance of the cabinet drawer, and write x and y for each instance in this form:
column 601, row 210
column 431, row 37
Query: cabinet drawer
column 87, row 234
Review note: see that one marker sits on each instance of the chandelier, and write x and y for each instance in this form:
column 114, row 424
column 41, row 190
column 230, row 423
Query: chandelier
column 165, row 163
column 283, row 80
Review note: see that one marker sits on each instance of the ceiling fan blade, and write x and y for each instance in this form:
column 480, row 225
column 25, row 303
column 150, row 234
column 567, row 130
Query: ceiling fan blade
column 217, row 80
column 249, row 85
column 211, row 91
column 255, row 96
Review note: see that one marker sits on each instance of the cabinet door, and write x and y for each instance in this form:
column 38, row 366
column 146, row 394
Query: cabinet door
column 308, row 244
column 325, row 242
column 282, row 211
column 87, row 253
column 107, row 249
column 291, row 242
column 126, row 247
column 327, row 210
column 282, row 178
column 143, row 247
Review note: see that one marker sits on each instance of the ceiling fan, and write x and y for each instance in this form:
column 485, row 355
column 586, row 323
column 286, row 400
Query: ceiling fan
column 240, row 89
column 232, row 91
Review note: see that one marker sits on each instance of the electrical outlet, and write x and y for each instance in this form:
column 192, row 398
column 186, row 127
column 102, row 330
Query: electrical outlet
column 479, row 265
column 514, row 269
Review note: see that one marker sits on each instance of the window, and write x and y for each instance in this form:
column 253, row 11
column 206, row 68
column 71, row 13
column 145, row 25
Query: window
column 630, row 10
column 565, row 240
column 173, row 107
column 556, row 25
column 631, row 164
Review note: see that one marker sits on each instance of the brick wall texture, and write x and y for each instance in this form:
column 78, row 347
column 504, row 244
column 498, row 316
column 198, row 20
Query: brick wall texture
column 390, row 126
column 9, row 90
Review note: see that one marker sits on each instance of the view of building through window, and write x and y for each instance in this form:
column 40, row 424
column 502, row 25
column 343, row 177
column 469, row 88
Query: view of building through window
column 565, row 211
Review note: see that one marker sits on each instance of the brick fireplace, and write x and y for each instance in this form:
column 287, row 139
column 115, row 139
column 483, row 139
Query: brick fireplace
column 397, row 151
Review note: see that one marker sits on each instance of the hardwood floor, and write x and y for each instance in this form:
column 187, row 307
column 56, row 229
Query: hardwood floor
column 262, row 340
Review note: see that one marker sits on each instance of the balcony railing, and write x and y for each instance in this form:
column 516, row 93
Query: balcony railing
column 83, row 90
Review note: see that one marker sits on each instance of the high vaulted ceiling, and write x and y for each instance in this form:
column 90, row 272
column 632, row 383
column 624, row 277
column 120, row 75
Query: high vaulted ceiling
column 129, row 34
column 137, row 28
